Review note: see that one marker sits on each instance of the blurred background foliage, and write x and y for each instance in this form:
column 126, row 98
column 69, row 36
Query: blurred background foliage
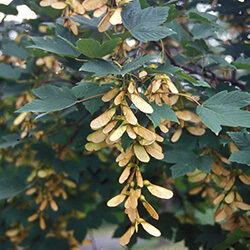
column 44, row 163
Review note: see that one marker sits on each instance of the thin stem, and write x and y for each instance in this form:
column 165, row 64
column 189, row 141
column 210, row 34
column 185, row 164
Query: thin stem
column 91, row 97
column 107, row 35
column 81, row 60
column 188, row 97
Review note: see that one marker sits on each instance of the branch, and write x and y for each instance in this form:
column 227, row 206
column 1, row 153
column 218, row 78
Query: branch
column 204, row 73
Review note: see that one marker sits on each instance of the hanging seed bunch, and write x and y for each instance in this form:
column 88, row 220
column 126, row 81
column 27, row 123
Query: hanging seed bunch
column 47, row 193
column 110, row 11
column 229, row 201
column 163, row 91
column 110, row 127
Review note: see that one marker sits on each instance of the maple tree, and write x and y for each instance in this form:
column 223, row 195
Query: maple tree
column 127, row 112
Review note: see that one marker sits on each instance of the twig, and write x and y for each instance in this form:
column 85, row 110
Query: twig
column 91, row 97
column 205, row 73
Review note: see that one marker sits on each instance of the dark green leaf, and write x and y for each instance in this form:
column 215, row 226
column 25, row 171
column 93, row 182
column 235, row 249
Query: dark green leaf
column 144, row 24
column 88, row 89
column 164, row 112
column 126, row 141
column 103, row 68
column 242, row 63
column 10, row 140
column 208, row 233
column 11, row 48
column 186, row 162
column 241, row 139
column 8, row 72
column 55, row 45
column 242, row 157
column 231, row 238
column 8, row 10
column 52, row 98
column 10, row 187
column 86, row 23
column 65, row 34
column 192, row 80
column 223, row 109
column 202, row 16
column 93, row 49
column 100, row 67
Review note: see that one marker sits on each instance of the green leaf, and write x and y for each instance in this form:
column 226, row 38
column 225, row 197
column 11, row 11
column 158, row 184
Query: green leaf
column 231, row 238
column 87, row 89
column 10, row 186
column 102, row 68
column 210, row 232
column 203, row 30
column 93, row 49
column 126, row 141
column 86, row 23
column 243, row 142
column 186, row 162
column 8, row 72
column 242, row 63
column 52, row 98
column 241, row 139
column 8, row 10
column 55, row 45
column 202, row 16
column 164, row 112
column 11, row 48
column 198, row 83
column 65, row 34
column 224, row 109
column 242, row 157
column 164, row 68
column 144, row 24
column 10, row 140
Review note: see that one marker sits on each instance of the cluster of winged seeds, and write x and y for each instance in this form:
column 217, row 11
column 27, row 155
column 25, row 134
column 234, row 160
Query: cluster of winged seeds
column 110, row 127
column 99, row 7
column 230, row 201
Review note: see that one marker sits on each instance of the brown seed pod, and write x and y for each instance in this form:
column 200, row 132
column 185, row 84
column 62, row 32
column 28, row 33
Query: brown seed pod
column 150, row 210
column 110, row 95
column 125, row 174
column 142, row 105
column 125, row 239
column 115, row 201
column 90, row 5
column 230, row 197
column 141, row 153
column 198, row 131
column 151, row 229
column 219, row 198
column 97, row 136
column 176, row 136
column 154, row 152
column 102, row 119
column 242, row 205
column 116, row 17
column 159, row 191
column 139, row 179
column 131, row 133
column 58, row 5
column 129, row 115
column 105, row 24
column 119, row 98
column 245, row 179
column 145, row 133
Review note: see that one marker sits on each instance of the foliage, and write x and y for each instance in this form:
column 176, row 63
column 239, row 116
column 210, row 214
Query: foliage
column 154, row 81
